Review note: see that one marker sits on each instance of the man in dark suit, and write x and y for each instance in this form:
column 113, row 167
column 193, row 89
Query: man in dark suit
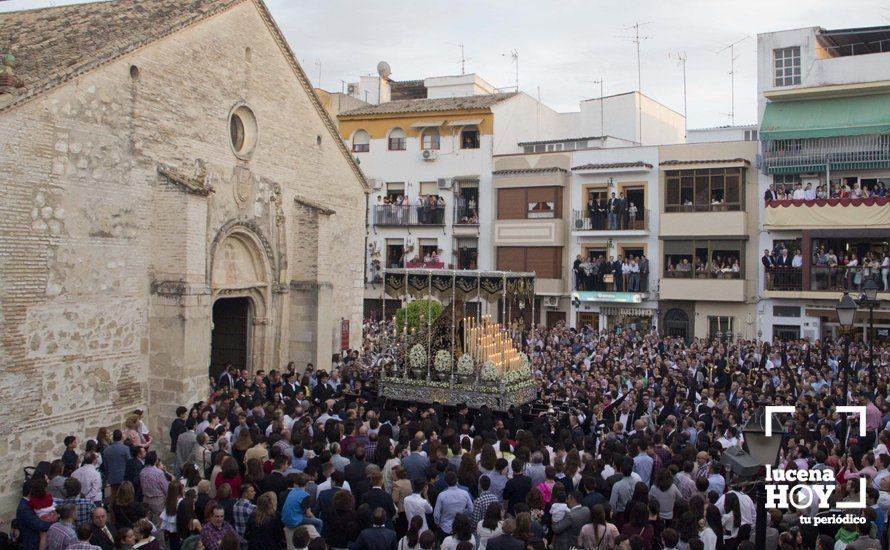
column 566, row 530
column 616, row 272
column 376, row 537
column 770, row 194
column 101, row 535
column 227, row 379
column 621, row 206
column 325, row 500
column 377, row 498
column 599, row 210
column 506, row 541
column 357, row 475
column 134, row 468
column 518, row 487
column 612, row 210
column 276, row 481
column 785, row 259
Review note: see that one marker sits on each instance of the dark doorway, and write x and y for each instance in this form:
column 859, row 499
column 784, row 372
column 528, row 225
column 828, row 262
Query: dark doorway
column 554, row 317
column 228, row 341
column 676, row 324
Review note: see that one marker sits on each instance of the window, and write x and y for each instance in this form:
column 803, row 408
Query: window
column 786, row 311
column 786, row 332
column 430, row 139
column 361, row 142
column 786, row 179
column 545, row 261
column 529, row 203
column 395, row 191
column 528, row 149
column 704, row 190
column 242, row 131
column 467, row 253
column 397, row 140
column 469, row 138
column 719, row 324
column 787, row 66
column 704, row 259
column 750, row 135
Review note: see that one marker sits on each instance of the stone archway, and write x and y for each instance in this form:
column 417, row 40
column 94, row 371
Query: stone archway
column 241, row 266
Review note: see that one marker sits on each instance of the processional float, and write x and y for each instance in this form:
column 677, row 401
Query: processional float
column 459, row 358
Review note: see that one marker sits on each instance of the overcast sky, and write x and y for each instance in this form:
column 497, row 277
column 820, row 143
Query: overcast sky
column 563, row 46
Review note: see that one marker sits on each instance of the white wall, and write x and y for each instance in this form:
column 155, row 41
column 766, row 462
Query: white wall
column 814, row 71
column 456, row 86
column 407, row 166
column 523, row 118
column 722, row 133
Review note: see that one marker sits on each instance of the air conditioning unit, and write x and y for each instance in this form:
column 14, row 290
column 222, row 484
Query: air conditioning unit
column 579, row 224
column 376, row 184
column 351, row 88
column 429, row 154
column 444, row 183
column 551, row 301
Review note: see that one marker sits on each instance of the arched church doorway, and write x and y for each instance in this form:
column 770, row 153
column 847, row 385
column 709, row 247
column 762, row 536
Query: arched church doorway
column 230, row 337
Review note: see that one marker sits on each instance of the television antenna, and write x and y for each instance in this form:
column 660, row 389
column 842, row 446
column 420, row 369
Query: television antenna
column 681, row 59
column 636, row 39
column 602, row 109
column 463, row 58
column 732, row 58
column 514, row 55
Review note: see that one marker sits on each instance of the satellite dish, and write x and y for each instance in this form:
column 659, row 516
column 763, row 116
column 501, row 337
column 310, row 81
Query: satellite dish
column 383, row 69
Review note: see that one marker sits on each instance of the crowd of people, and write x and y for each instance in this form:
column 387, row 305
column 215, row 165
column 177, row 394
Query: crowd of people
column 394, row 210
column 848, row 271
column 622, row 449
column 614, row 213
column 836, row 190
column 630, row 274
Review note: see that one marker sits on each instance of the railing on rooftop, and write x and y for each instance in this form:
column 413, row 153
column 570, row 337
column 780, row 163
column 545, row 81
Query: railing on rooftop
column 787, row 156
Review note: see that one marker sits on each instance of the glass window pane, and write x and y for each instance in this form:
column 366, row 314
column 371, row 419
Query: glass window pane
column 673, row 191
column 702, row 190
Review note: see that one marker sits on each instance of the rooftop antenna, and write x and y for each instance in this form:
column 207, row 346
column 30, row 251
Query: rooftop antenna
column 515, row 56
column 602, row 109
column 463, row 58
column 732, row 58
column 681, row 59
column 636, row 39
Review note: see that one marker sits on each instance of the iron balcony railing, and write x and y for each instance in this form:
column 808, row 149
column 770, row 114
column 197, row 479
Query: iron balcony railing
column 390, row 215
column 466, row 215
column 583, row 220
column 838, row 153
column 823, row 278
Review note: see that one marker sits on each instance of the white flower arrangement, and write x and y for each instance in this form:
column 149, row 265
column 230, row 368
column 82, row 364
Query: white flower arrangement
column 465, row 365
column 489, row 372
column 417, row 357
column 443, row 361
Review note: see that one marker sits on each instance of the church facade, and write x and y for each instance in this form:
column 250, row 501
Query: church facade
column 173, row 198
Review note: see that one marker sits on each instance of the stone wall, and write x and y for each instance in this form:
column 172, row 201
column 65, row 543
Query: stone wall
column 105, row 284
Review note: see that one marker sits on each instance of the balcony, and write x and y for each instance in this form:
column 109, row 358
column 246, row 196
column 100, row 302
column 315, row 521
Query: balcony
column 466, row 215
column 404, row 216
column 821, row 279
column 827, row 213
column 799, row 156
column 638, row 224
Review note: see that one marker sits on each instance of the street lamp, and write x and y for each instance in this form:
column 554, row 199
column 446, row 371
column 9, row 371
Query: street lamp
column 846, row 309
column 869, row 299
column 765, row 450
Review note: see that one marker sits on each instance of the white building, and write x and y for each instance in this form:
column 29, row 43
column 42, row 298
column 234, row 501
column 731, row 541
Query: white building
column 824, row 108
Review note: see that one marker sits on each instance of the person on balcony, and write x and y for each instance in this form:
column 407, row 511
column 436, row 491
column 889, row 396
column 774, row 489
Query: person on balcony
column 632, row 216
column 576, row 269
column 809, row 193
column 644, row 273
column 612, row 209
column 622, row 211
column 684, row 266
column 618, row 274
column 771, row 194
column 784, row 260
column 798, row 194
column 822, row 192
column 634, row 276
column 797, row 261
column 885, row 271
column 857, row 193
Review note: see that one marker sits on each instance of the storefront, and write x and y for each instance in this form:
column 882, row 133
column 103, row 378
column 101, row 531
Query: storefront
column 613, row 310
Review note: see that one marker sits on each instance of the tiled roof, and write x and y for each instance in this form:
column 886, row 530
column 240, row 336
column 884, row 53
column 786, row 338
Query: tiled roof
column 511, row 172
column 560, row 140
column 468, row 103
column 708, row 161
column 608, row 166
column 53, row 45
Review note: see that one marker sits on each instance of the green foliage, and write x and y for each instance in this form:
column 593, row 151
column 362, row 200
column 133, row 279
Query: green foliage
column 418, row 312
